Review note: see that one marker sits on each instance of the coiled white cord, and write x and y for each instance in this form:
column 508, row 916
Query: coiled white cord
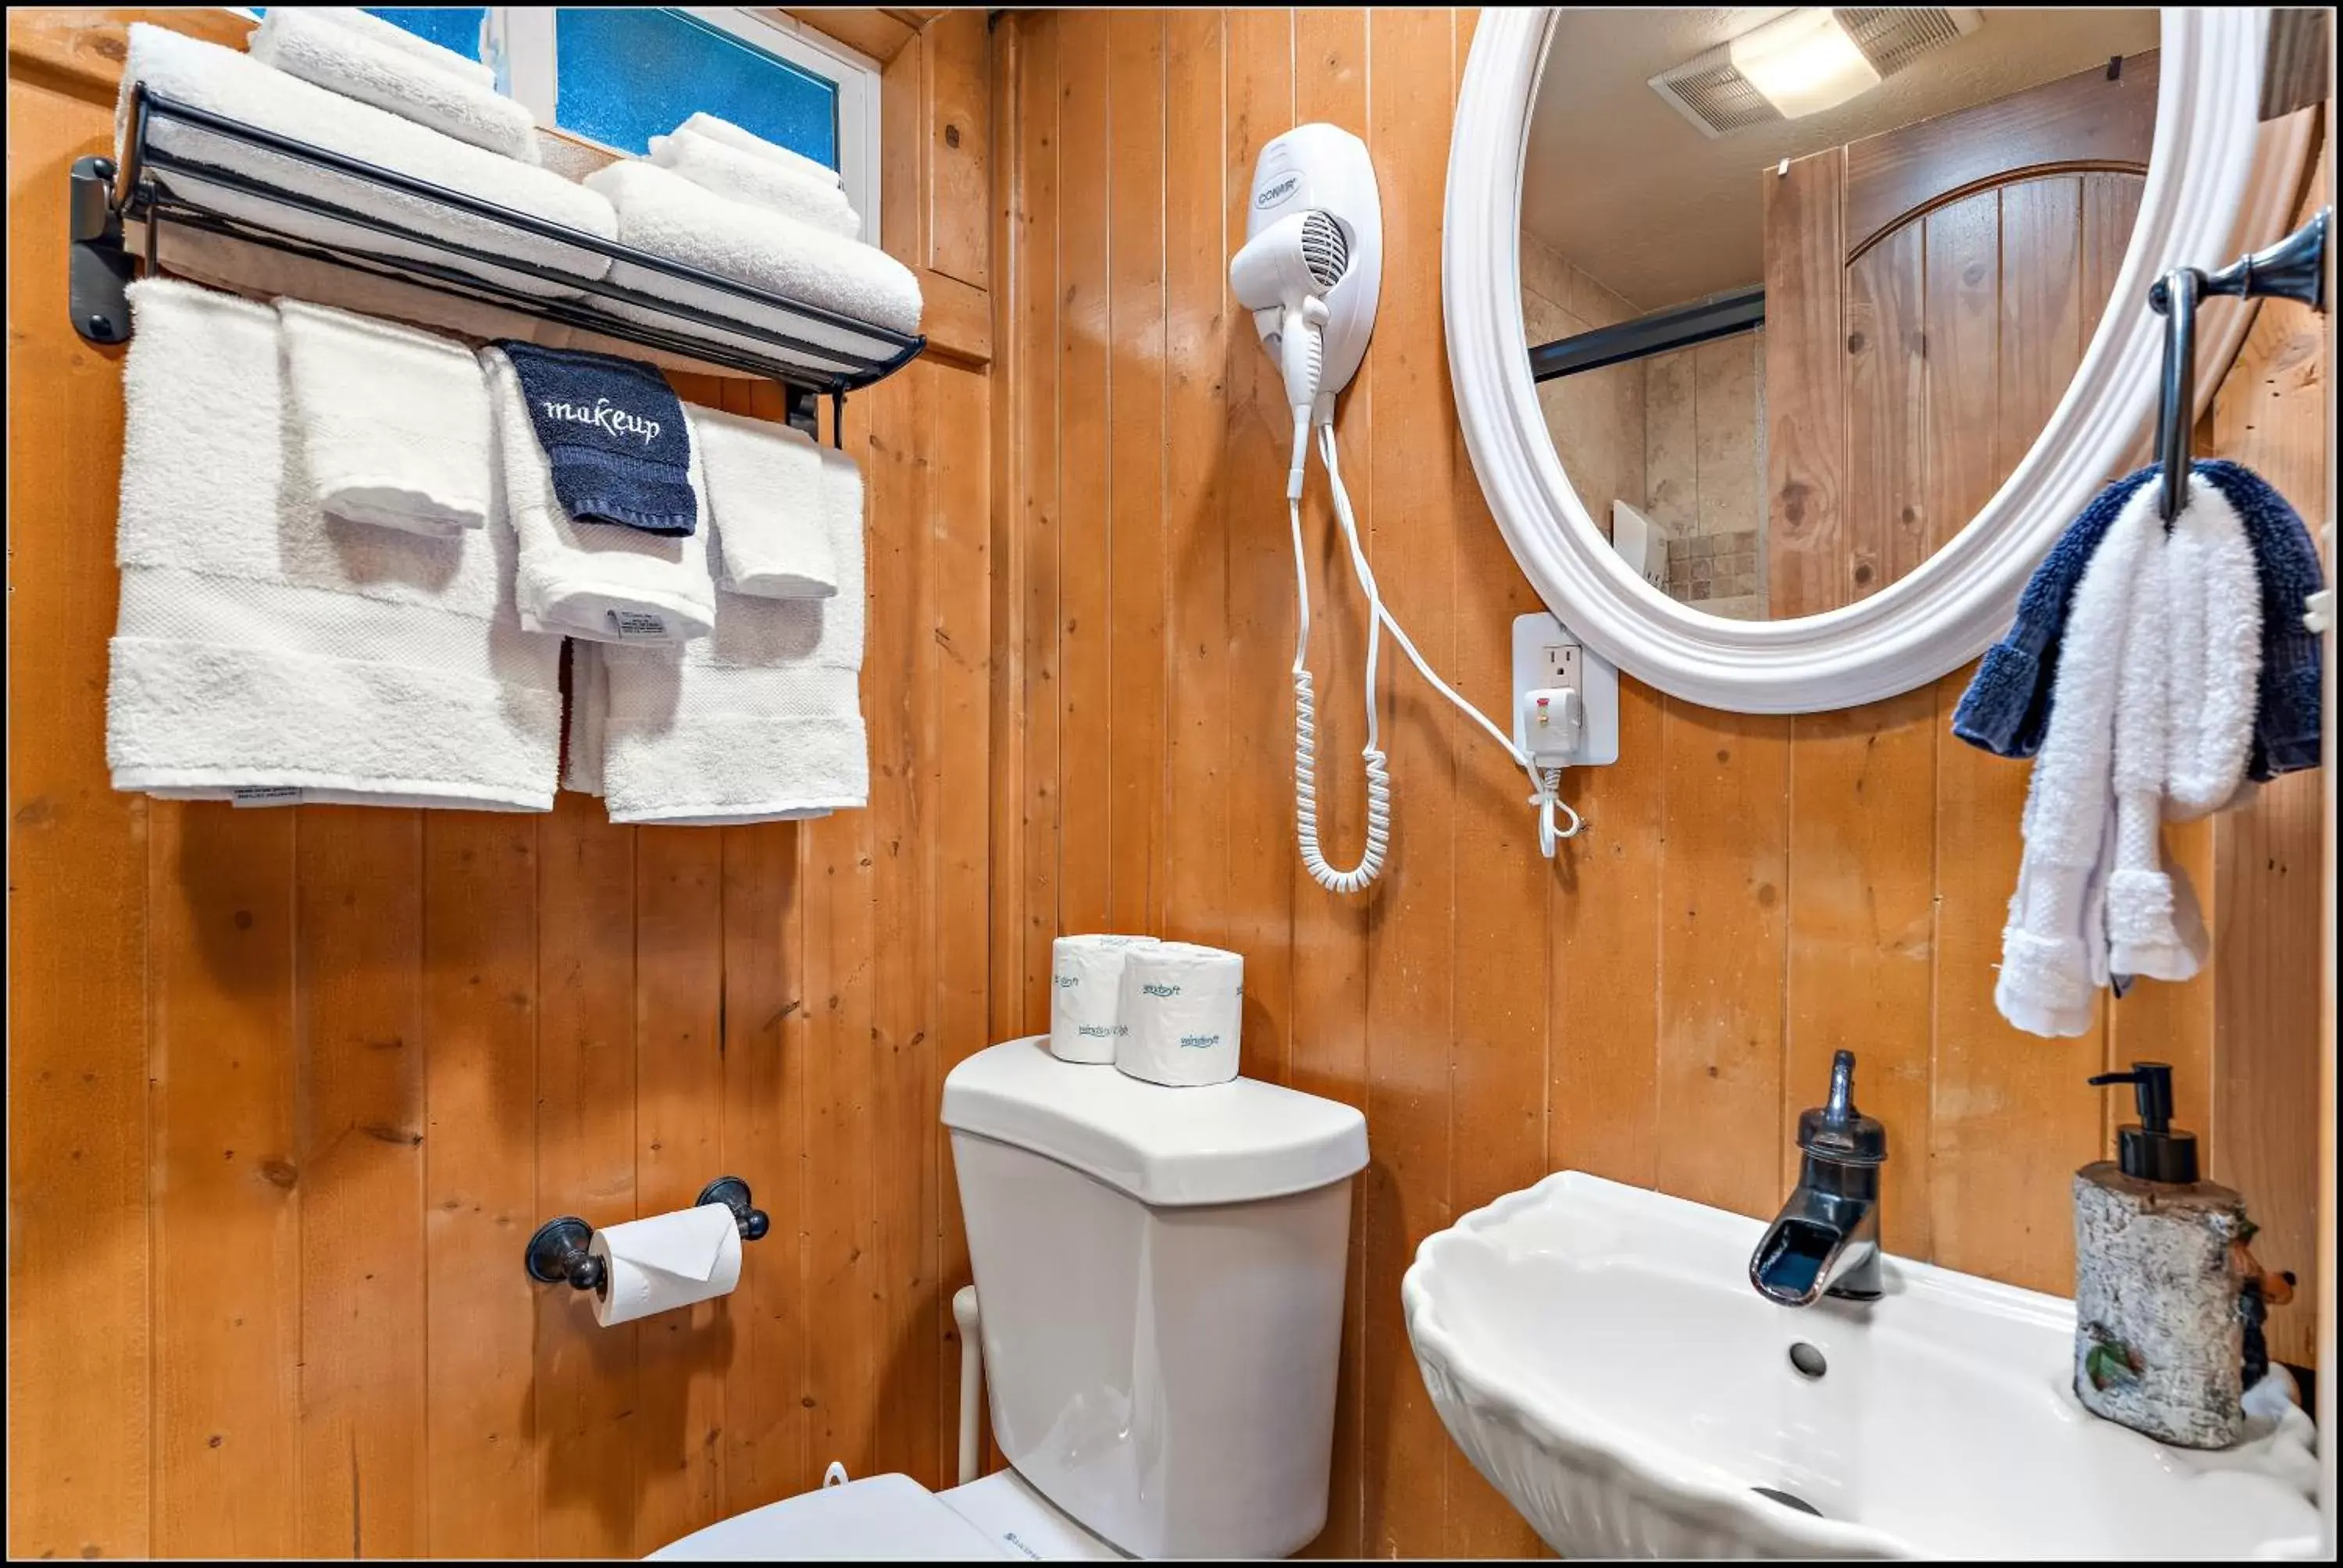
column 1545, row 785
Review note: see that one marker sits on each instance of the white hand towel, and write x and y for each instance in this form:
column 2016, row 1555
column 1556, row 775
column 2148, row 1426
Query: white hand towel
column 2214, row 628
column 390, row 34
column 263, row 646
column 2148, row 906
column 359, row 65
column 661, row 212
column 761, row 720
column 593, row 580
column 731, row 135
column 229, row 82
column 765, row 495
column 394, row 423
column 760, row 182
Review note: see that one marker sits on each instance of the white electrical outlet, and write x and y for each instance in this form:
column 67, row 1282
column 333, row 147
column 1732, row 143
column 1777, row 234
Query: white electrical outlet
column 1547, row 657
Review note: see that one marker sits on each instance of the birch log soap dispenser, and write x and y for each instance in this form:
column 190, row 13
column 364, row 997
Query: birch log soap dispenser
column 2158, row 1339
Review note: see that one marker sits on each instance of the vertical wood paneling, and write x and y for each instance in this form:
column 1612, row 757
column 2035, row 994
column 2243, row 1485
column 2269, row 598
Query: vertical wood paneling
column 1037, row 301
column 1888, row 527
column 358, row 964
column 1961, row 315
column 957, row 127
column 1805, row 399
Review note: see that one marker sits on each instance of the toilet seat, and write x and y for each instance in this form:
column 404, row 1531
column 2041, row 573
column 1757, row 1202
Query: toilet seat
column 883, row 1517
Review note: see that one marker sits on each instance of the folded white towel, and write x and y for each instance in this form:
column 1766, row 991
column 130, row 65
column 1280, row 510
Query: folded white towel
column 229, row 82
column 765, row 495
column 600, row 581
column 263, row 646
column 394, row 423
column 761, row 720
column 661, row 212
column 300, row 43
column 721, row 130
column 392, row 36
column 760, row 182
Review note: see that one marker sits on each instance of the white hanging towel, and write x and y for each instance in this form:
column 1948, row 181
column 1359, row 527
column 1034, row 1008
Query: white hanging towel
column 230, row 83
column 319, row 47
column 721, row 130
column 760, row 182
column 765, row 490
column 265, row 652
column 760, row 721
column 599, row 582
column 661, row 212
column 394, row 424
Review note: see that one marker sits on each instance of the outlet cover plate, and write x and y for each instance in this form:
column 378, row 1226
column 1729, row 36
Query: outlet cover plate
column 1534, row 638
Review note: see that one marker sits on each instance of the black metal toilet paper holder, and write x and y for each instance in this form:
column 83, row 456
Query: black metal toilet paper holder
column 557, row 1251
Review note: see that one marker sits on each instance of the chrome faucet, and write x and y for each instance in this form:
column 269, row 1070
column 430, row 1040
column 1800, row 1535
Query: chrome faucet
column 1825, row 1239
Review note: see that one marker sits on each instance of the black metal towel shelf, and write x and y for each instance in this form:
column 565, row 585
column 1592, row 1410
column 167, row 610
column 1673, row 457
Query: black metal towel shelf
column 557, row 1250
column 2294, row 268
column 820, row 352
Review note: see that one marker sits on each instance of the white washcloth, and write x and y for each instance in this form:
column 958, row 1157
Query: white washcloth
column 765, row 495
column 359, row 64
column 392, row 36
column 720, row 130
column 263, row 646
column 661, row 212
column 232, row 83
column 760, row 721
column 394, row 423
column 760, row 182
column 600, row 581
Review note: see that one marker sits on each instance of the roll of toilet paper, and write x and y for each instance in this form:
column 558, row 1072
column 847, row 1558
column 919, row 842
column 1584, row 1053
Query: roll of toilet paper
column 666, row 1260
column 1086, row 995
column 1182, row 1009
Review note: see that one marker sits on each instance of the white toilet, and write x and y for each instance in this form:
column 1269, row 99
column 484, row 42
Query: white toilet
column 1160, row 1276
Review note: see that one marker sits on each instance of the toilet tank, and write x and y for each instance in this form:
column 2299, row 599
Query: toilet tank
column 1160, row 1276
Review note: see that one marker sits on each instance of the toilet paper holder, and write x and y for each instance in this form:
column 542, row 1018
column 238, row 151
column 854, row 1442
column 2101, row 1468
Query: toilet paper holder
column 557, row 1251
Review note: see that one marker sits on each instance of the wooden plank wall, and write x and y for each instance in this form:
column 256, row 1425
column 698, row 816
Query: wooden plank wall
column 288, row 1090
column 1750, row 893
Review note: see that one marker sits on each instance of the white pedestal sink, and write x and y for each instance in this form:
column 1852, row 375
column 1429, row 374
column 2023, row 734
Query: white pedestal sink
column 1598, row 1352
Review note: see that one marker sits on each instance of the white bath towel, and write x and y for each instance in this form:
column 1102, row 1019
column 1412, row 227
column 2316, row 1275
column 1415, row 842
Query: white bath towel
column 229, row 82
column 359, row 64
column 761, row 720
column 765, row 495
column 760, row 182
column 661, row 212
column 390, row 34
column 721, row 130
column 600, row 581
column 394, row 423
column 262, row 647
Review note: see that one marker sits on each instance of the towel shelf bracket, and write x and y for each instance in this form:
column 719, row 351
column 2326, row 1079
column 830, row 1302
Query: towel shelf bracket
column 812, row 352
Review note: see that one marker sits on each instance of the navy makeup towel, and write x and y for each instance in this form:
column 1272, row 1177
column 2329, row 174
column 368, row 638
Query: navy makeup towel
column 614, row 435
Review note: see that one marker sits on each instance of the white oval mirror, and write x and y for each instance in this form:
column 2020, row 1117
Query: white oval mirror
column 1785, row 343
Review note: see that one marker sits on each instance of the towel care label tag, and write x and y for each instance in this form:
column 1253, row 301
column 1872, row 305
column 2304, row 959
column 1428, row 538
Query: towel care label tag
column 637, row 625
column 269, row 795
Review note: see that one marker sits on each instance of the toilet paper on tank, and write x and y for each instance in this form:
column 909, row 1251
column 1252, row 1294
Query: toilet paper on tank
column 1182, row 1008
column 1086, row 995
column 666, row 1260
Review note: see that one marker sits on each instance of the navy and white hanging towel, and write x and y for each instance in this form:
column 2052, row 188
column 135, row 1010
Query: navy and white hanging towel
column 614, row 434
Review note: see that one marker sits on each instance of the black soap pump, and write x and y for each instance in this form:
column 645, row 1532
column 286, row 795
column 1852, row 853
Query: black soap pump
column 2158, row 1339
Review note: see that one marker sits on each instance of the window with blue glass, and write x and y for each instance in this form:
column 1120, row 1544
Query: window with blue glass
column 626, row 73
column 462, row 28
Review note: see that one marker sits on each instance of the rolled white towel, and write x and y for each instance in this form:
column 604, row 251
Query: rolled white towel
column 1086, row 995
column 392, row 36
column 392, row 423
column 759, row 721
column 265, row 650
column 359, row 64
column 777, row 188
column 661, row 212
column 721, row 130
column 234, row 84
column 765, row 490
column 599, row 582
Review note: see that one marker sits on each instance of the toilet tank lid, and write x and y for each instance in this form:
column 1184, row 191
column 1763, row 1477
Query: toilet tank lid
column 1214, row 1143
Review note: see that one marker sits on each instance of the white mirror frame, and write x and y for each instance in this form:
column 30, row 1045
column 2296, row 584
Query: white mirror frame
column 1952, row 606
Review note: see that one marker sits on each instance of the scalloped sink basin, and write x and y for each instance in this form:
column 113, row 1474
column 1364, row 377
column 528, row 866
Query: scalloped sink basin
column 1598, row 1352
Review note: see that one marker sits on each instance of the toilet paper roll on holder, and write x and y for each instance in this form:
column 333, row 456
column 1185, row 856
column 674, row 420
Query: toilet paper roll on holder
column 557, row 1251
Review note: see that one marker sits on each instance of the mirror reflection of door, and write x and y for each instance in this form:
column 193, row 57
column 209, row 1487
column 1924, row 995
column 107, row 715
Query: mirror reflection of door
column 1802, row 286
column 1929, row 292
